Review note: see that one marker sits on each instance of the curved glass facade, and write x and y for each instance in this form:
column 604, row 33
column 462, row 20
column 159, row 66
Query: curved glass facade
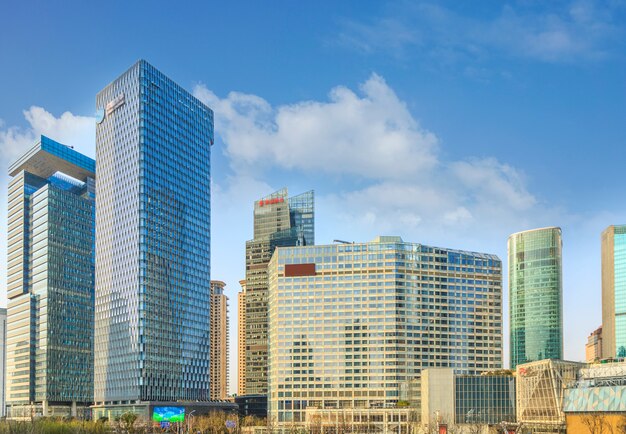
column 152, row 245
column 536, row 294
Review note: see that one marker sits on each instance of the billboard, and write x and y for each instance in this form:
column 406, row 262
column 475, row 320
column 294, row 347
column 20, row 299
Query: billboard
column 168, row 414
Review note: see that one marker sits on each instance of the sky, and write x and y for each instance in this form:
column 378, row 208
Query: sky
column 451, row 124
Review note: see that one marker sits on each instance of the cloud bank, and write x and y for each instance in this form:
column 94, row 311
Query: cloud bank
column 374, row 162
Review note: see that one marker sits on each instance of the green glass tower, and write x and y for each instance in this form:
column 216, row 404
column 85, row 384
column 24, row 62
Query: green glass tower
column 536, row 295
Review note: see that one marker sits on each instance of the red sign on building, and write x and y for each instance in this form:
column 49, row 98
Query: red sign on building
column 271, row 201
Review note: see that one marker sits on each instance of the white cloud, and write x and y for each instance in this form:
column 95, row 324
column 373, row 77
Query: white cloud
column 69, row 129
column 402, row 184
column 370, row 135
column 554, row 32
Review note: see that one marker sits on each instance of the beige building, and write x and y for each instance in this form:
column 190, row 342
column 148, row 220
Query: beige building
column 614, row 291
column 241, row 339
column 350, row 323
column 593, row 349
column 219, row 341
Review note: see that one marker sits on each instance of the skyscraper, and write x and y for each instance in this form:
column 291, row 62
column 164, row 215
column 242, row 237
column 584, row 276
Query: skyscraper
column 153, row 144
column 614, row 291
column 536, row 295
column 349, row 323
column 3, row 361
column 50, row 282
column 219, row 341
column 278, row 221
column 593, row 348
column 241, row 339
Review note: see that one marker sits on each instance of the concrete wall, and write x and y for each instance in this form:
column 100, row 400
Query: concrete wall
column 438, row 396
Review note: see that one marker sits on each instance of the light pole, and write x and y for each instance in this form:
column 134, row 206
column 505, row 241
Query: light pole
column 189, row 419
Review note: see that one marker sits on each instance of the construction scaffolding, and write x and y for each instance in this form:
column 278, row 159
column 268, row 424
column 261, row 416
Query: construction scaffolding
column 540, row 389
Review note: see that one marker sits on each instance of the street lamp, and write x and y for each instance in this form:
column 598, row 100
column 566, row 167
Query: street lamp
column 189, row 419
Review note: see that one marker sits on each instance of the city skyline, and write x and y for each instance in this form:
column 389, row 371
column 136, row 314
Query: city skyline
column 457, row 138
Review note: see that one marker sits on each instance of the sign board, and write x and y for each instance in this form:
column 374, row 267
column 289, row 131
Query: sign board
column 230, row 424
column 165, row 425
column 168, row 414
column 113, row 105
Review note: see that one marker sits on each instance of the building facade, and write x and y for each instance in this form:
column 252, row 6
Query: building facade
column 219, row 341
column 614, row 291
column 349, row 323
column 279, row 220
column 50, row 282
column 540, row 393
column 593, row 349
column 241, row 339
column 536, row 295
column 467, row 401
column 3, row 360
column 153, row 144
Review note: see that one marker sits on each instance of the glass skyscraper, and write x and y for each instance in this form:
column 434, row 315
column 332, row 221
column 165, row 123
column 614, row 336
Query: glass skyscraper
column 350, row 323
column 279, row 220
column 49, row 369
column 536, row 295
column 153, row 147
column 614, row 291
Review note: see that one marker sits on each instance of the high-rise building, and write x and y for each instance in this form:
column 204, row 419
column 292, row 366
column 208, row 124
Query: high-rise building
column 614, row 291
column 593, row 349
column 3, row 360
column 536, row 295
column 350, row 323
column 49, row 345
column 241, row 339
column 219, row 341
column 153, row 145
column 279, row 220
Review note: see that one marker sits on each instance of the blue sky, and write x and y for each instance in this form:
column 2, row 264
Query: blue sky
column 451, row 124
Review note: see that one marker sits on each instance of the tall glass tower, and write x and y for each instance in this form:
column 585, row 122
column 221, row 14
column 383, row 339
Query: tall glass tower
column 153, row 142
column 614, row 291
column 49, row 363
column 536, row 295
column 279, row 220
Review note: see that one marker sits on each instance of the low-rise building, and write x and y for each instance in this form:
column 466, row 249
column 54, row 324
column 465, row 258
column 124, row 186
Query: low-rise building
column 466, row 403
column 539, row 394
column 596, row 401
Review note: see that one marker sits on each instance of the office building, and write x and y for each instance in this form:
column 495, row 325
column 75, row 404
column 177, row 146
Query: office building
column 593, row 349
column 614, row 291
column 350, row 323
column 3, row 360
column 219, row 341
column 536, row 295
column 153, row 145
column 241, row 339
column 279, row 220
column 50, row 282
